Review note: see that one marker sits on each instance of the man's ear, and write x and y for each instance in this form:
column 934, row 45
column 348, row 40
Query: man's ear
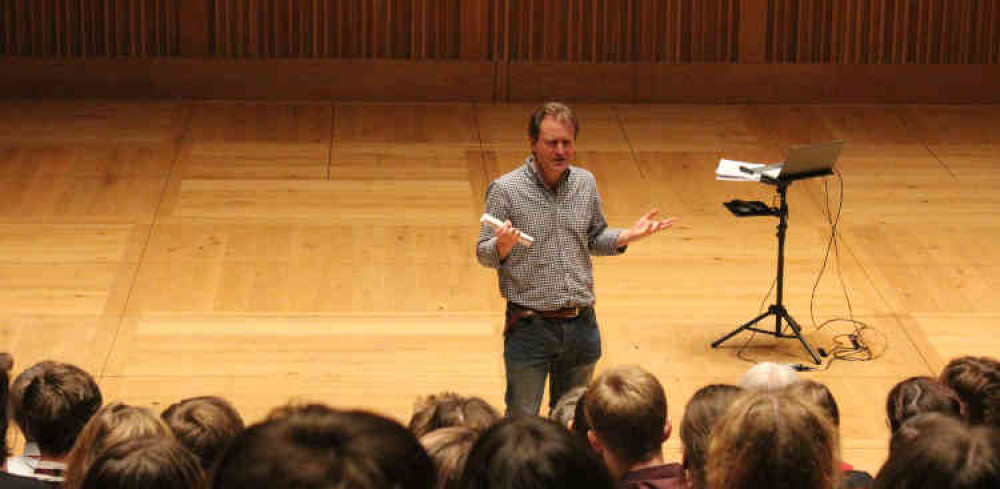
column 667, row 429
column 595, row 442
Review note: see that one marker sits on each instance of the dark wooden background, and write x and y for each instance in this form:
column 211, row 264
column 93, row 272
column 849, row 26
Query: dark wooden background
column 505, row 50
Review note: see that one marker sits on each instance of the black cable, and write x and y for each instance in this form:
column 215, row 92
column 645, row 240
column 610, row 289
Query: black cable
column 854, row 346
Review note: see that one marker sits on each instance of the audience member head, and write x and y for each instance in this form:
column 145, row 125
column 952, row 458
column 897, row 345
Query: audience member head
column 977, row 382
column 769, row 439
column 580, row 425
column 627, row 410
column 818, row 395
column 935, row 450
column 555, row 110
column 450, row 409
column 448, row 448
column 6, row 363
column 565, row 408
column 113, row 424
column 527, row 452
column 314, row 446
column 145, row 463
column 51, row 402
column 917, row 395
column 205, row 425
column 703, row 411
column 769, row 376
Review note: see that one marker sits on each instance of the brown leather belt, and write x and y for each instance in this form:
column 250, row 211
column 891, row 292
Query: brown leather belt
column 518, row 313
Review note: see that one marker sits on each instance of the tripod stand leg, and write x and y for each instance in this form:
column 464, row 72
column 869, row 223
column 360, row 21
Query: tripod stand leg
column 798, row 334
column 716, row 343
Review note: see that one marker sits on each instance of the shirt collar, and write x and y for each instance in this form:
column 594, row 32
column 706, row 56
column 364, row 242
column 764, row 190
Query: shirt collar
column 532, row 169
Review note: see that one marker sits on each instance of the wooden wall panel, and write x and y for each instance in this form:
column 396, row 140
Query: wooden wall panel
column 617, row 31
column 104, row 28
column 356, row 29
column 883, row 31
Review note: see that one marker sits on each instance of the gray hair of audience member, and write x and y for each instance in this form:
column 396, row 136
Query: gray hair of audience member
column 917, row 395
column 935, row 450
column 565, row 409
column 555, row 110
column 51, row 402
column 977, row 382
column 449, row 448
column 528, row 452
column 113, row 424
column 318, row 447
column 819, row 395
column 769, row 376
column 450, row 409
column 6, row 364
column 145, row 463
column 205, row 425
column 701, row 414
column 773, row 439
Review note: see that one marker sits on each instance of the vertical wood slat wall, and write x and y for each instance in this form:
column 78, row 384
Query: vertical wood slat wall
column 590, row 31
column 883, row 31
column 89, row 28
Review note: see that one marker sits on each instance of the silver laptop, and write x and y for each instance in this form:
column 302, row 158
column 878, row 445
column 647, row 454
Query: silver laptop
column 810, row 161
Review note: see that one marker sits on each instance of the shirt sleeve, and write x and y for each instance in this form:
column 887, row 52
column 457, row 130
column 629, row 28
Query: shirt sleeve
column 498, row 206
column 602, row 239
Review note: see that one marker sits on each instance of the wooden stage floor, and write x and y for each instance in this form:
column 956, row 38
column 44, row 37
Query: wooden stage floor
column 279, row 251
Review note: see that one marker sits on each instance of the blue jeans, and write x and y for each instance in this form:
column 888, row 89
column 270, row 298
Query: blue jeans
column 564, row 350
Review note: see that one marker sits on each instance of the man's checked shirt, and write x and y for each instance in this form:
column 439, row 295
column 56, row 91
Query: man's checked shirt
column 568, row 226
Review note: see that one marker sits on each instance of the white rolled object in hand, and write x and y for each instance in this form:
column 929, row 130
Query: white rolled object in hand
column 495, row 223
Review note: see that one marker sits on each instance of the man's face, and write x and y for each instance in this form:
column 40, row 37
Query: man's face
column 554, row 148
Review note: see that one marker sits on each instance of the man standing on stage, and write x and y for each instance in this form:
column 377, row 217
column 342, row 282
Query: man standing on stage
column 551, row 330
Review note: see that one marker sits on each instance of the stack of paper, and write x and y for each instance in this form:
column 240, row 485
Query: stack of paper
column 742, row 171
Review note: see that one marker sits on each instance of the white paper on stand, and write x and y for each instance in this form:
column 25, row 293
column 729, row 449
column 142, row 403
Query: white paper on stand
column 743, row 171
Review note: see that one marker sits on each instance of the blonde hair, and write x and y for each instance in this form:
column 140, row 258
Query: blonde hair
column 773, row 439
column 627, row 409
column 113, row 424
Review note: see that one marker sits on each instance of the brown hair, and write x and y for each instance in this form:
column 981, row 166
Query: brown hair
column 702, row 413
column 934, row 450
column 205, row 425
column 977, row 382
column 773, row 440
column 819, row 395
column 145, row 463
column 448, row 448
column 627, row 409
column 555, row 110
column 113, row 424
column 6, row 363
column 51, row 402
column 917, row 395
column 450, row 409
column 315, row 446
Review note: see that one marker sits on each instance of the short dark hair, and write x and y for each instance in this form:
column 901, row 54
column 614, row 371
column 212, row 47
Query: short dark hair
column 145, row 463
column 205, row 425
column 935, row 450
column 315, row 446
column 532, row 452
column 703, row 410
column 51, row 402
column 450, row 409
column 559, row 112
column 819, row 395
column 627, row 410
column 917, row 395
column 977, row 382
